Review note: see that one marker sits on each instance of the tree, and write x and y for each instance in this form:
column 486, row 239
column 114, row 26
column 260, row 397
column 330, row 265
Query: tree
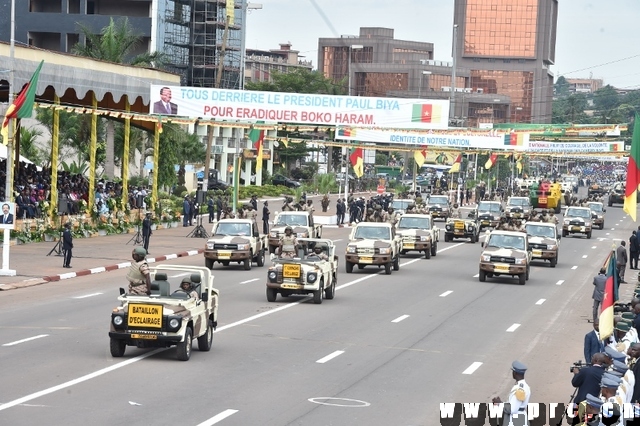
column 562, row 87
column 28, row 146
column 178, row 147
column 606, row 99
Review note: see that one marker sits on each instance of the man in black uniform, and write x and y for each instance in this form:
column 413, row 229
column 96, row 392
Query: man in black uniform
column 210, row 208
column 265, row 218
column 254, row 202
column 67, row 245
column 146, row 231
column 219, row 208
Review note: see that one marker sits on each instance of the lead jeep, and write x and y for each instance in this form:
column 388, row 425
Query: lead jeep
column 169, row 316
column 438, row 206
column 577, row 220
column 418, row 233
column 235, row 240
column 305, row 274
column 300, row 222
column 373, row 243
column 543, row 241
column 505, row 253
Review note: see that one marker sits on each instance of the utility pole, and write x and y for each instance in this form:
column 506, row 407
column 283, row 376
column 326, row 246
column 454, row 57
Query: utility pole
column 452, row 110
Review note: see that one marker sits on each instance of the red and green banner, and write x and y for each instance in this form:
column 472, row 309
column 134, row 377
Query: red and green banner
column 22, row 106
column 257, row 137
column 633, row 172
column 426, row 113
column 609, row 299
column 357, row 161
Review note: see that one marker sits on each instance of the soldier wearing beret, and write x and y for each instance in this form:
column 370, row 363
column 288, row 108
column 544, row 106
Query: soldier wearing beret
column 518, row 397
column 138, row 275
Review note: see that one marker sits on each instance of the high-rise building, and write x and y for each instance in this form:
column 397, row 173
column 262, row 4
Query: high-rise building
column 260, row 64
column 508, row 46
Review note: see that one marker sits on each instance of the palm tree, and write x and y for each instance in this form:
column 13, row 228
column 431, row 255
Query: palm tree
column 115, row 43
column 28, row 146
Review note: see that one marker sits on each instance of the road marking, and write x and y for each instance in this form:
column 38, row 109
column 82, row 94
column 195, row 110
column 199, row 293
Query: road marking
column 560, row 282
column 541, row 301
column 607, row 233
column 446, row 293
column 123, row 265
column 335, row 241
column 98, row 270
column 513, row 328
column 473, row 367
column 574, row 267
column 250, row 281
column 403, row 317
column 613, row 229
column 329, row 357
column 593, row 247
column 184, row 274
column 584, row 256
column 218, row 417
column 476, row 276
column 17, row 342
column 87, row 295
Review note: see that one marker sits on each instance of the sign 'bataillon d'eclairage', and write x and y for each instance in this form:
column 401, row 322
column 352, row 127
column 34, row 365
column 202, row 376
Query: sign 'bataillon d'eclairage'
column 299, row 108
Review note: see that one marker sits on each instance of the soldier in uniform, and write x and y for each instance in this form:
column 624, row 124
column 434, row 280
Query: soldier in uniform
column 391, row 216
column 228, row 214
column 242, row 212
column 287, row 204
column 608, row 388
column 519, row 226
column 589, row 411
column 251, row 213
column 552, row 218
column 288, row 244
column 187, row 287
column 138, row 275
column 317, row 251
column 310, row 208
column 455, row 211
column 518, row 397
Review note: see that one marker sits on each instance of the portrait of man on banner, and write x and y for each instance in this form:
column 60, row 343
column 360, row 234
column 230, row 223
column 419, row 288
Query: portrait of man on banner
column 7, row 218
column 164, row 106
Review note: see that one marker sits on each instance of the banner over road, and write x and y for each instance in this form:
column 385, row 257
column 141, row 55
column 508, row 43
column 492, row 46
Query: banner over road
column 298, row 108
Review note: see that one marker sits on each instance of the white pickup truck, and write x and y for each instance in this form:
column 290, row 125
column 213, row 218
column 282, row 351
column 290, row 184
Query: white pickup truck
column 235, row 240
column 300, row 221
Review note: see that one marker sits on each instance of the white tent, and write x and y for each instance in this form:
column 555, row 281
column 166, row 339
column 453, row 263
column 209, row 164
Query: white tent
column 3, row 154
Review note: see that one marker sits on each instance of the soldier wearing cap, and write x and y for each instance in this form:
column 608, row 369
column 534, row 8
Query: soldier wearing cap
column 138, row 275
column 608, row 393
column 591, row 414
column 518, row 397
column 620, row 332
column 627, row 377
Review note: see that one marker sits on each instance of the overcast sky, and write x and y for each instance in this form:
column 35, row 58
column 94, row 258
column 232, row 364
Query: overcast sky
column 590, row 33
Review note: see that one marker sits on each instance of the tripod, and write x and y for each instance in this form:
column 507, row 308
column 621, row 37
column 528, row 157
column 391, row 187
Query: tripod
column 137, row 238
column 58, row 247
column 198, row 231
column 564, row 413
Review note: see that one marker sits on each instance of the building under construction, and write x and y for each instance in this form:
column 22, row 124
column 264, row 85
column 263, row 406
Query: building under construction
column 203, row 40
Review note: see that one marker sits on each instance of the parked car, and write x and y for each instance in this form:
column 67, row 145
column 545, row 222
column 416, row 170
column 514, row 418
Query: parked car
column 285, row 181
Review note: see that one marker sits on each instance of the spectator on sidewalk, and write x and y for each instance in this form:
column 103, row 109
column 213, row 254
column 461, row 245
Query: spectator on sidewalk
column 186, row 211
column 265, row 218
column 210, row 208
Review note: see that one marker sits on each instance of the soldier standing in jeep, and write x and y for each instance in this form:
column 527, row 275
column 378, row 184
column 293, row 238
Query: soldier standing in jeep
column 288, row 244
column 138, row 275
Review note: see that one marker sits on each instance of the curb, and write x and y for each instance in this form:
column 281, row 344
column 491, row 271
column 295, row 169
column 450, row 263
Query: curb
column 84, row 272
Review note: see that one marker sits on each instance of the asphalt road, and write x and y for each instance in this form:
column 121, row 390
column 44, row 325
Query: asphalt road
column 386, row 351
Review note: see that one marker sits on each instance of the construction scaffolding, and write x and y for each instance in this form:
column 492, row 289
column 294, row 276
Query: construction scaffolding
column 202, row 44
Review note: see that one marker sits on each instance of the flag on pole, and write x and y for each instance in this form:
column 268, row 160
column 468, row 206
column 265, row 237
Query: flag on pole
column 455, row 168
column 22, row 106
column 519, row 162
column 257, row 137
column 420, row 157
column 491, row 161
column 357, row 161
column 610, row 297
column 633, row 172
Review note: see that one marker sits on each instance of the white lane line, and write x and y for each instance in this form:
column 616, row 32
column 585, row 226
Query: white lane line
column 335, row 241
column 607, row 233
column 98, row 270
column 329, row 357
column 184, row 274
column 584, row 256
column 574, row 267
column 446, row 293
column 560, row 282
column 403, row 317
column 87, row 295
column 17, row 342
column 476, row 276
column 513, row 328
column 613, row 229
column 473, row 367
column 218, row 417
column 250, row 281
column 541, row 301
column 593, row 247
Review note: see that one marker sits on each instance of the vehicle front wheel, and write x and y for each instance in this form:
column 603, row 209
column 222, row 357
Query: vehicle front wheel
column 522, row 279
column 271, row 294
column 117, row 347
column 208, row 263
column 206, row 340
column 602, row 225
column 482, row 276
column 588, row 235
column 247, row 263
column 565, row 233
column 553, row 262
column 427, row 253
column 396, row 264
column 434, row 249
column 330, row 292
column 387, row 268
column 260, row 258
column 348, row 266
column 183, row 349
column 317, row 295
column 527, row 275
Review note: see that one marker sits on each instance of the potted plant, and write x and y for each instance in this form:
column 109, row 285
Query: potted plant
column 51, row 234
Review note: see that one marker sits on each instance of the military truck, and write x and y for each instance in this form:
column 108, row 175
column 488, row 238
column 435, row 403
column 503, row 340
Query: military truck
column 300, row 221
column 308, row 273
column 546, row 195
column 616, row 194
column 488, row 214
column 544, row 241
column 169, row 316
column 462, row 228
column 577, row 220
column 235, row 240
column 373, row 243
column 518, row 208
column 418, row 233
column 439, row 206
column 505, row 253
column 597, row 213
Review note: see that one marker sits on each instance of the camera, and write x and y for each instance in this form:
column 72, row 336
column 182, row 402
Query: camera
column 579, row 365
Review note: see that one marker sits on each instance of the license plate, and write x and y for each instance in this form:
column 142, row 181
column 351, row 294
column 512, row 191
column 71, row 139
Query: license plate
column 408, row 246
column 291, row 286
column 144, row 316
column 518, row 215
column 224, row 254
column 144, row 336
column 290, row 271
column 485, row 222
column 459, row 225
column 542, row 200
column 501, row 268
column 366, row 260
column 575, row 228
column 537, row 253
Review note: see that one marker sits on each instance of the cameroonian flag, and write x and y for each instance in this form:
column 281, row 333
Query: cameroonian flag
column 426, row 113
column 420, row 157
column 614, row 146
column 257, row 137
column 633, row 172
column 519, row 162
column 514, row 139
column 357, row 161
column 347, row 132
column 610, row 297
column 491, row 161
column 456, row 164
column 22, row 106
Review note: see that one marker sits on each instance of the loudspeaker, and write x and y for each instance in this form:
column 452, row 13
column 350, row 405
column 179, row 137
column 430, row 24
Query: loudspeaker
column 63, row 204
column 200, row 197
column 140, row 201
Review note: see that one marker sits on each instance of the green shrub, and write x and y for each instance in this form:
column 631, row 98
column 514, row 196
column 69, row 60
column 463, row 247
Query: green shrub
column 179, row 191
column 245, row 192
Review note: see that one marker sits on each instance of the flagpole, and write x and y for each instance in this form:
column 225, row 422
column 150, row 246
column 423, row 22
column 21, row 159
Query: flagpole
column 8, row 190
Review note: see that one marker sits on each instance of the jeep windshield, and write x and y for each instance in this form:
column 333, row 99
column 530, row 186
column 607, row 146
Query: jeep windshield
column 372, row 233
column 583, row 213
column 596, row 207
column 443, row 201
column 234, row 229
column 489, row 207
column 506, row 241
column 402, row 204
column 540, row 231
column 414, row 223
column 520, row 202
column 292, row 220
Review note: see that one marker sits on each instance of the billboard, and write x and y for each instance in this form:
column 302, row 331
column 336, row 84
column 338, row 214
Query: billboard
column 299, row 108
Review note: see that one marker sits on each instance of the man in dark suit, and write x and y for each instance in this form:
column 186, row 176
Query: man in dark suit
column 219, row 208
column 7, row 218
column 265, row 218
column 599, row 282
column 164, row 105
column 67, row 245
column 587, row 379
column 146, row 231
column 592, row 342
column 634, row 249
column 621, row 261
column 254, row 202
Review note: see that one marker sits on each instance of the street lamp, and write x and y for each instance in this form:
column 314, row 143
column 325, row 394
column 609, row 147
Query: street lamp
column 351, row 48
column 246, row 9
column 421, row 78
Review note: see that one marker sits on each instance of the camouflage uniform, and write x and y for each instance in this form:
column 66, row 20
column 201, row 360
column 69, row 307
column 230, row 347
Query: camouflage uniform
column 242, row 214
column 137, row 277
column 287, row 207
column 288, row 244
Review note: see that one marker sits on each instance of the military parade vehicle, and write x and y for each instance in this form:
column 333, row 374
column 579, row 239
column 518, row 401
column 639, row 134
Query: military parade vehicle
column 418, row 233
column 505, row 253
column 300, row 221
column 488, row 214
column 235, row 240
column 596, row 189
column 597, row 213
column 577, row 220
column 170, row 316
column 400, row 206
column 308, row 273
column 462, row 228
column 518, row 208
column 546, row 195
column 544, row 241
column 373, row 243
column 439, row 206
column 616, row 194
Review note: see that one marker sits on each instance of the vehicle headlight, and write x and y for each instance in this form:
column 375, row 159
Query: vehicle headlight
column 448, row 227
column 551, row 246
column 521, row 261
column 243, row 246
column 486, row 257
column 272, row 275
column 352, row 249
column 312, row 277
column 273, row 234
column 600, row 216
column 385, row 250
column 175, row 323
column 210, row 246
column 302, row 234
column 587, row 224
column 424, row 238
column 118, row 320
column 471, row 226
column 526, row 212
column 567, row 221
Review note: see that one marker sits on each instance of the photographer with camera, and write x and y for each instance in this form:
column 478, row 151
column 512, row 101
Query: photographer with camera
column 587, row 377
